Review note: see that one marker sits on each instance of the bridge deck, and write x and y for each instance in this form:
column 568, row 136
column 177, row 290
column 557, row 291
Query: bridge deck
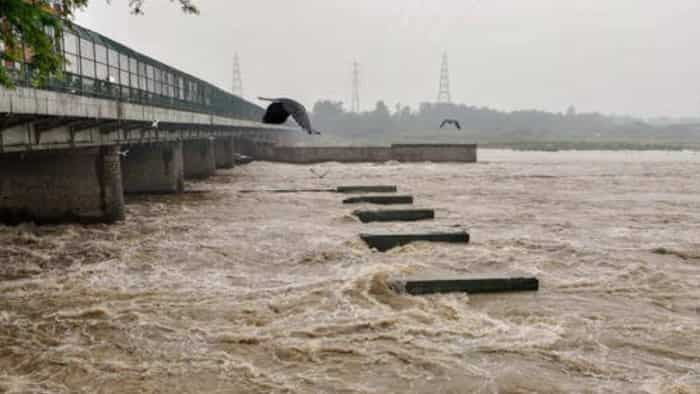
column 34, row 119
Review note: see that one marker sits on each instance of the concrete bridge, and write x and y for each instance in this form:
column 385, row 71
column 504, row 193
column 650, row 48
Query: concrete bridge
column 117, row 121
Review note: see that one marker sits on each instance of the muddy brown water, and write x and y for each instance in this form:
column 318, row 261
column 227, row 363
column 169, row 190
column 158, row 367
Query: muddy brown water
column 225, row 292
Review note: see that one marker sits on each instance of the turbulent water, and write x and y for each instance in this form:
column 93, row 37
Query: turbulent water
column 219, row 291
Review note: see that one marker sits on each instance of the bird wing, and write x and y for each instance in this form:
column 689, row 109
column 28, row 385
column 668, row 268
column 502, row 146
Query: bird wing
column 276, row 113
column 444, row 122
column 459, row 127
column 299, row 114
column 281, row 108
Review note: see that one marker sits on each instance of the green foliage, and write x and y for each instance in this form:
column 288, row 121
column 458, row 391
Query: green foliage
column 186, row 5
column 30, row 29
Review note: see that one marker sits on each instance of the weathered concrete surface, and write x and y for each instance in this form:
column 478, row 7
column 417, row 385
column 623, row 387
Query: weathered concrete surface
column 34, row 119
column 281, row 191
column 471, row 284
column 367, row 189
column 199, row 158
column 224, row 151
column 81, row 185
column 339, row 189
column 303, row 155
column 352, row 154
column 382, row 200
column 434, row 152
column 395, row 215
column 153, row 168
column 384, row 242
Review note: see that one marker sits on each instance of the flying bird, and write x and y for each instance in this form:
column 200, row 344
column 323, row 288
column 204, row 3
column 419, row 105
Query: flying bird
column 280, row 109
column 320, row 175
column 452, row 122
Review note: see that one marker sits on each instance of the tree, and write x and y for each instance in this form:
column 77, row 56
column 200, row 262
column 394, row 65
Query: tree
column 380, row 118
column 328, row 114
column 30, row 29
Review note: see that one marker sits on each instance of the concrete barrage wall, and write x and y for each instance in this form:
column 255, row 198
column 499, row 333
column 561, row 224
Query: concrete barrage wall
column 434, row 152
column 465, row 153
column 154, row 168
column 82, row 185
column 224, row 152
column 199, row 157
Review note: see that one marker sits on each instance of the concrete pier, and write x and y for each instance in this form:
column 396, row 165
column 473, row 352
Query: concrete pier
column 458, row 153
column 199, row 157
column 367, row 189
column 460, row 283
column 381, row 200
column 153, row 168
column 224, row 151
column 79, row 185
column 384, row 242
column 394, row 215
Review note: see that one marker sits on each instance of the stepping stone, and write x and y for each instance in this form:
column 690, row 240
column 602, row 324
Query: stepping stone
column 339, row 189
column 395, row 215
column 384, row 200
column 384, row 242
column 366, row 189
column 471, row 284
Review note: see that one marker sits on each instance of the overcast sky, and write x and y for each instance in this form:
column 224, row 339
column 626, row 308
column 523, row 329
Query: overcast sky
column 639, row 57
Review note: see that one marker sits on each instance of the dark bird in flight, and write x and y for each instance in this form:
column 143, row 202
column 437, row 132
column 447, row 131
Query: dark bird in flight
column 280, row 109
column 452, row 122
column 319, row 175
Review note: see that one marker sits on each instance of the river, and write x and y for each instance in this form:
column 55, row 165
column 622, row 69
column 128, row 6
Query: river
column 219, row 291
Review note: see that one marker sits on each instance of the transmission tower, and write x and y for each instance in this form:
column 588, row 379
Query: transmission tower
column 237, row 85
column 355, row 87
column 444, row 93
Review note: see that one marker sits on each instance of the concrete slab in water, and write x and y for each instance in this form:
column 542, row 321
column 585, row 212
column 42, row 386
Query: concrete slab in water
column 395, row 215
column 384, row 200
column 367, row 189
column 339, row 189
column 461, row 283
column 384, row 242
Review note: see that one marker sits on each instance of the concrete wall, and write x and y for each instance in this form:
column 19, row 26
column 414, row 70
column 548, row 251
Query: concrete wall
column 153, row 168
column 434, row 152
column 224, row 152
column 291, row 154
column 350, row 154
column 199, row 158
column 81, row 185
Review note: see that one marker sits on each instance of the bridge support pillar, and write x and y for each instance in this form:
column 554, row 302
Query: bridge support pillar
column 199, row 157
column 76, row 185
column 154, row 168
column 244, row 146
column 224, row 152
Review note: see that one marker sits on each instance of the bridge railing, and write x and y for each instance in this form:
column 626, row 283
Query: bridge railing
column 100, row 67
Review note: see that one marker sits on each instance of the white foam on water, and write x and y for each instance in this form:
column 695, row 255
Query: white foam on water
column 222, row 291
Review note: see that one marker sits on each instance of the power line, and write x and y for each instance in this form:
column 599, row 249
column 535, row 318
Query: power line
column 444, row 92
column 355, row 87
column 237, row 84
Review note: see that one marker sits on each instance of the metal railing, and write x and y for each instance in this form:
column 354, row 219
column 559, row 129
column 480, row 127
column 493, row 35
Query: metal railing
column 97, row 66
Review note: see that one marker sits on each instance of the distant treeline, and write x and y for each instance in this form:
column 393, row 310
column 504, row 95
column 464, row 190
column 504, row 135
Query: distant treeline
column 384, row 125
